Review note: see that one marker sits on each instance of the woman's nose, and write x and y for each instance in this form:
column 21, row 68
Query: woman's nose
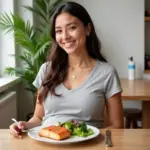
column 66, row 35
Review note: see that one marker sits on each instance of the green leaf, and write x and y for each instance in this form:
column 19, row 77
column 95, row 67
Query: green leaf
column 15, row 71
column 6, row 22
column 42, row 50
column 52, row 7
column 28, row 59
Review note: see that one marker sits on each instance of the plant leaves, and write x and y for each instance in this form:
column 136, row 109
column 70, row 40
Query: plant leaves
column 35, row 41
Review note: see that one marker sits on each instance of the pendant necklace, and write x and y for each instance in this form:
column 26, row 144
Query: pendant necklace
column 73, row 77
column 77, row 75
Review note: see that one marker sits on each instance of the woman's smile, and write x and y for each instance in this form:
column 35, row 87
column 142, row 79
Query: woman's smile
column 69, row 44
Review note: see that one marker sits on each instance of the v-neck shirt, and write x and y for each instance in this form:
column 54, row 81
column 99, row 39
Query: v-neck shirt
column 83, row 103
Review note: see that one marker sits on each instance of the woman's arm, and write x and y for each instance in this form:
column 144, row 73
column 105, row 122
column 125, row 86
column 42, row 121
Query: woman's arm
column 16, row 129
column 38, row 115
column 115, row 111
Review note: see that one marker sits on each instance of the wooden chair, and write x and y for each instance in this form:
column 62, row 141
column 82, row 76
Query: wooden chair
column 132, row 116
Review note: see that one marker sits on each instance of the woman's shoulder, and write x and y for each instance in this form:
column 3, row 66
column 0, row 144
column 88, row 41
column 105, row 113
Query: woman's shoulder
column 105, row 67
column 47, row 63
column 45, row 67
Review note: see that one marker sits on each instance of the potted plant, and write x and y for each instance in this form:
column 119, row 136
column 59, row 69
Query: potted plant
column 34, row 40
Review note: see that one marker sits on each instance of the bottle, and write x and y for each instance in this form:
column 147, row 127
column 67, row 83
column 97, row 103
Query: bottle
column 131, row 69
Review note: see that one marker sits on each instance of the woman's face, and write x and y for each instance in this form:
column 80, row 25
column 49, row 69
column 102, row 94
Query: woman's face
column 70, row 33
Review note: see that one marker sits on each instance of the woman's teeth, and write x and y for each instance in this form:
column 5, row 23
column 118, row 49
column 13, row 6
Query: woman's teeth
column 68, row 44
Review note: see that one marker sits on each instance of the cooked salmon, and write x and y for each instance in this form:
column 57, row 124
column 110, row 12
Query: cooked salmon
column 54, row 132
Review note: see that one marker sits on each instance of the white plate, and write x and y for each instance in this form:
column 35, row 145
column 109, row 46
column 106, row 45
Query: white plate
column 33, row 133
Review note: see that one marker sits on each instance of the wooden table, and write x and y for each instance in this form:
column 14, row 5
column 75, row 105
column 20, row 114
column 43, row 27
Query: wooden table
column 138, row 90
column 122, row 139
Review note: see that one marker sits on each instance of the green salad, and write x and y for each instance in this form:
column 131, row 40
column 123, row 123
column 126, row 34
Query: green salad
column 76, row 128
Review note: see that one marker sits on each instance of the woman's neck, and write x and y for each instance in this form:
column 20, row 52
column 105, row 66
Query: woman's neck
column 80, row 61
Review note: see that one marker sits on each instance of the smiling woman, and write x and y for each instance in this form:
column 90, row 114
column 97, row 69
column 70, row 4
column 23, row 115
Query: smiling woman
column 76, row 83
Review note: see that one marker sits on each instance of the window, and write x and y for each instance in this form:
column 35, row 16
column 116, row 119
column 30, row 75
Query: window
column 7, row 47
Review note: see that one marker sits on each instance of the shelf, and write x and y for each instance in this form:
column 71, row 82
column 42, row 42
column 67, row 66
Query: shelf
column 147, row 19
column 147, row 71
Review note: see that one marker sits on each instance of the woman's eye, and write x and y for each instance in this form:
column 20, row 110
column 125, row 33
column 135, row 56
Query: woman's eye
column 58, row 31
column 72, row 28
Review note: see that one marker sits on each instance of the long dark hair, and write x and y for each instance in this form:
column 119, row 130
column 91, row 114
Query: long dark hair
column 59, row 58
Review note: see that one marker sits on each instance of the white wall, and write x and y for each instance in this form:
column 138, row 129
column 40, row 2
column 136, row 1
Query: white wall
column 120, row 27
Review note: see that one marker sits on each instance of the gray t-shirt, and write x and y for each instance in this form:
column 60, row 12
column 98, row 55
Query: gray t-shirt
column 84, row 103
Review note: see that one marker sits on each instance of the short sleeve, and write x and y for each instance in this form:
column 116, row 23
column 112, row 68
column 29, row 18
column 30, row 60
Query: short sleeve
column 40, row 76
column 112, row 83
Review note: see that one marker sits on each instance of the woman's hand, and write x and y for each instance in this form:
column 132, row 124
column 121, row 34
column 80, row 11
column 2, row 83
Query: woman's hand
column 16, row 129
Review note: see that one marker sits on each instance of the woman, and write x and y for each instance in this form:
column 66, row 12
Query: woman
column 77, row 82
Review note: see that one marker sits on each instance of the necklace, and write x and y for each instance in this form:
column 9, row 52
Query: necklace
column 80, row 74
column 83, row 70
column 77, row 75
column 73, row 77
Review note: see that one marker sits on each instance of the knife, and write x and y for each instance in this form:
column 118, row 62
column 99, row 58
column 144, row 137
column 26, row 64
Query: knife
column 108, row 139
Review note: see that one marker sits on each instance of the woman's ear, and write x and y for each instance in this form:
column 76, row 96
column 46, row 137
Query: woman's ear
column 88, row 29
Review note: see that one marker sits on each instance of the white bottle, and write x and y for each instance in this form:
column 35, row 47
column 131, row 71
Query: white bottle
column 131, row 69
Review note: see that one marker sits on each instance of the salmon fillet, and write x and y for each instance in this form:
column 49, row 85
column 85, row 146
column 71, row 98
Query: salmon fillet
column 54, row 132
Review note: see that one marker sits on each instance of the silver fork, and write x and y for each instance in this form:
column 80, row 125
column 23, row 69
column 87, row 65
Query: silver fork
column 108, row 138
